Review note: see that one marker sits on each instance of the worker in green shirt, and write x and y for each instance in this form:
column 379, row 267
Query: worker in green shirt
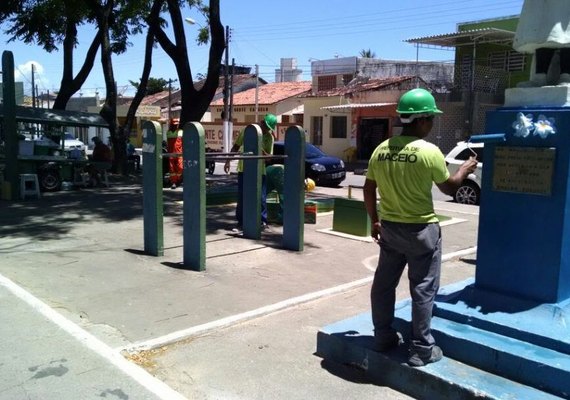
column 267, row 125
column 403, row 169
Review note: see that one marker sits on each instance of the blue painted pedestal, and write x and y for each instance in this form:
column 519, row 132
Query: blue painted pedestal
column 523, row 244
column 504, row 335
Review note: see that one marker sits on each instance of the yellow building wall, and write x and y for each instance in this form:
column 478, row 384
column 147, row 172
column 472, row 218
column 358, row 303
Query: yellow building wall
column 331, row 146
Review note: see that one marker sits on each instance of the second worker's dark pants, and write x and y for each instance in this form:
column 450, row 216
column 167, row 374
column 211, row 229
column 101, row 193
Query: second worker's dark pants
column 418, row 246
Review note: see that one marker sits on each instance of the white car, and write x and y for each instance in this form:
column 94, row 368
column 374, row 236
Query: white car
column 470, row 190
column 71, row 143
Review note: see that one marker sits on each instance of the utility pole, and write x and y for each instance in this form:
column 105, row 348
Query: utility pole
column 33, row 85
column 226, row 131
column 169, row 96
column 231, row 107
column 256, row 92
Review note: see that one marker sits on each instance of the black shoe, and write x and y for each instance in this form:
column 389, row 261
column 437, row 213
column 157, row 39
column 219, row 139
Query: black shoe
column 417, row 360
column 237, row 229
column 390, row 342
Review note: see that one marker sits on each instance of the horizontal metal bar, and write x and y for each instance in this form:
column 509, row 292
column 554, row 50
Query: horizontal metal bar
column 247, row 157
column 230, row 156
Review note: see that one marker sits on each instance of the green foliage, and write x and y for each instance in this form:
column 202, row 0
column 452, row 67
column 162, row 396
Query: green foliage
column 48, row 22
column 154, row 85
column 367, row 53
column 45, row 23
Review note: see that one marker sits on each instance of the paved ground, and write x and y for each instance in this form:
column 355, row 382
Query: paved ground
column 76, row 290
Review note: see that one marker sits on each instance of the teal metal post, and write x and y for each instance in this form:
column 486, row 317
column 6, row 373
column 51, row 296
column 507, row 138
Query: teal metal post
column 252, row 183
column 9, row 124
column 194, row 196
column 152, row 189
column 293, row 189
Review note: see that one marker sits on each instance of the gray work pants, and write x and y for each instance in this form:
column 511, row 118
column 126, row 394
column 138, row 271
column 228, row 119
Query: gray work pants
column 418, row 245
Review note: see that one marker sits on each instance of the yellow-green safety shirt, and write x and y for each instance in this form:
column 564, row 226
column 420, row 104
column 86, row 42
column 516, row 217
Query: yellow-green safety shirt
column 404, row 169
column 266, row 145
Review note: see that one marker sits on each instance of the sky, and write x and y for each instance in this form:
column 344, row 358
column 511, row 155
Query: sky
column 263, row 32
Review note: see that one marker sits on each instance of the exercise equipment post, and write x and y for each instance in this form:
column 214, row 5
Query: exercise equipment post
column 294, row 193
column 152, row 193
column 252, row 183
column 194, row 196
column 10, row 125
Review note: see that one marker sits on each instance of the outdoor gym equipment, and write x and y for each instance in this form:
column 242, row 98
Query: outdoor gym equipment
column 194, row 189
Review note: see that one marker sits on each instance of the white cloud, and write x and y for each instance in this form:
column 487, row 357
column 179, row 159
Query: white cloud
column 23, row 73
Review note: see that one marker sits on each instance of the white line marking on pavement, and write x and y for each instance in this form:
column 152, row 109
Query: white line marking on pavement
column 459, row 253
column 370, row 263
column 238, row 318
column 330, row 231
column 457, row 211
column 249, row 315
column 145, row 379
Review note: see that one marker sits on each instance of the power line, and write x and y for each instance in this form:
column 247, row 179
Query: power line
column 386, row 16
column 305, row 32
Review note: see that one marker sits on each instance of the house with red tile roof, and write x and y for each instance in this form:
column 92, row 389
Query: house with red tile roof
column 279, row 98
column 249, row 106
column 349, row 121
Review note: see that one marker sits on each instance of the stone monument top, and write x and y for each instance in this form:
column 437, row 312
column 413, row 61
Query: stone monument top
column 544, row 31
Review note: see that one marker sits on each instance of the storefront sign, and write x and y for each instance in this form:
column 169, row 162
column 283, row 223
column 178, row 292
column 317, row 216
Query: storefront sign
column 148, row 112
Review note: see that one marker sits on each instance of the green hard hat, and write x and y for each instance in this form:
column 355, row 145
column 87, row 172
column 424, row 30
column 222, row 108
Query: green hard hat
column 417, row 101
column 270, row 121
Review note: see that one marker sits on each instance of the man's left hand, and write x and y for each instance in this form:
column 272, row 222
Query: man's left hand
column 375, row 231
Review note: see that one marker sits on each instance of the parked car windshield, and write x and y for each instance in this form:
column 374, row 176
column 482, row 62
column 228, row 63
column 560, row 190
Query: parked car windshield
column 313, row 152
column 69, row 136
column 465, row 154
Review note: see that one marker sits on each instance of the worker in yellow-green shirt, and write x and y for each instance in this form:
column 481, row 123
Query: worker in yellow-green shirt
column 267, row 125
column 403, row 169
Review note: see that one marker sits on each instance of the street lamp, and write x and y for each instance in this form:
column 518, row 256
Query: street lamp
column 192, row 21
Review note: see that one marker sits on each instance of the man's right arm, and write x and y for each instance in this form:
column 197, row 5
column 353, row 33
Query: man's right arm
column 234, row 149
column 450, row 186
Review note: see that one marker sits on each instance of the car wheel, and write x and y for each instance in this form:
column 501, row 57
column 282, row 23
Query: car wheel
column 468, row 193
column 49, row 180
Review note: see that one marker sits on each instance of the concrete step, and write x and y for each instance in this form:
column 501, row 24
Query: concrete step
column 542, row 324
column 351, row 342
column 520, row 361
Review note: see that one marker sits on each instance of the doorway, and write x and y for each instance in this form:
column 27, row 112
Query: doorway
column 371, row 132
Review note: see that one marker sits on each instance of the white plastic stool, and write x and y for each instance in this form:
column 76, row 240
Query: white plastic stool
column 32, row 181
column 80, row 176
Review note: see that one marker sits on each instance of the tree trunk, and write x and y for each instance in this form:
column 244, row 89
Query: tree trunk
column 194, row 102
column 69, row 85
column 153, row 21
column 109, row 110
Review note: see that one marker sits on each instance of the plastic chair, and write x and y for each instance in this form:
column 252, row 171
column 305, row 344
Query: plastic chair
column 29, row 186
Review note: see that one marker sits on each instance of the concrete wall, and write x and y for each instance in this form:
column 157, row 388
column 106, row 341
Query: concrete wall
column 435, row 73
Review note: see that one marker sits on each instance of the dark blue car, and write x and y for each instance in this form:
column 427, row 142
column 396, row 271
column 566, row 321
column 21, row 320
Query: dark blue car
column 323, row 169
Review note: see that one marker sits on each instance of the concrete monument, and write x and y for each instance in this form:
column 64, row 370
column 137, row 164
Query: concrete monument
column 543, row 31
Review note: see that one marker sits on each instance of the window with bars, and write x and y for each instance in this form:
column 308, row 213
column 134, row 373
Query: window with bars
column 338, row 127
column 509, row 60
column 326, row 82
